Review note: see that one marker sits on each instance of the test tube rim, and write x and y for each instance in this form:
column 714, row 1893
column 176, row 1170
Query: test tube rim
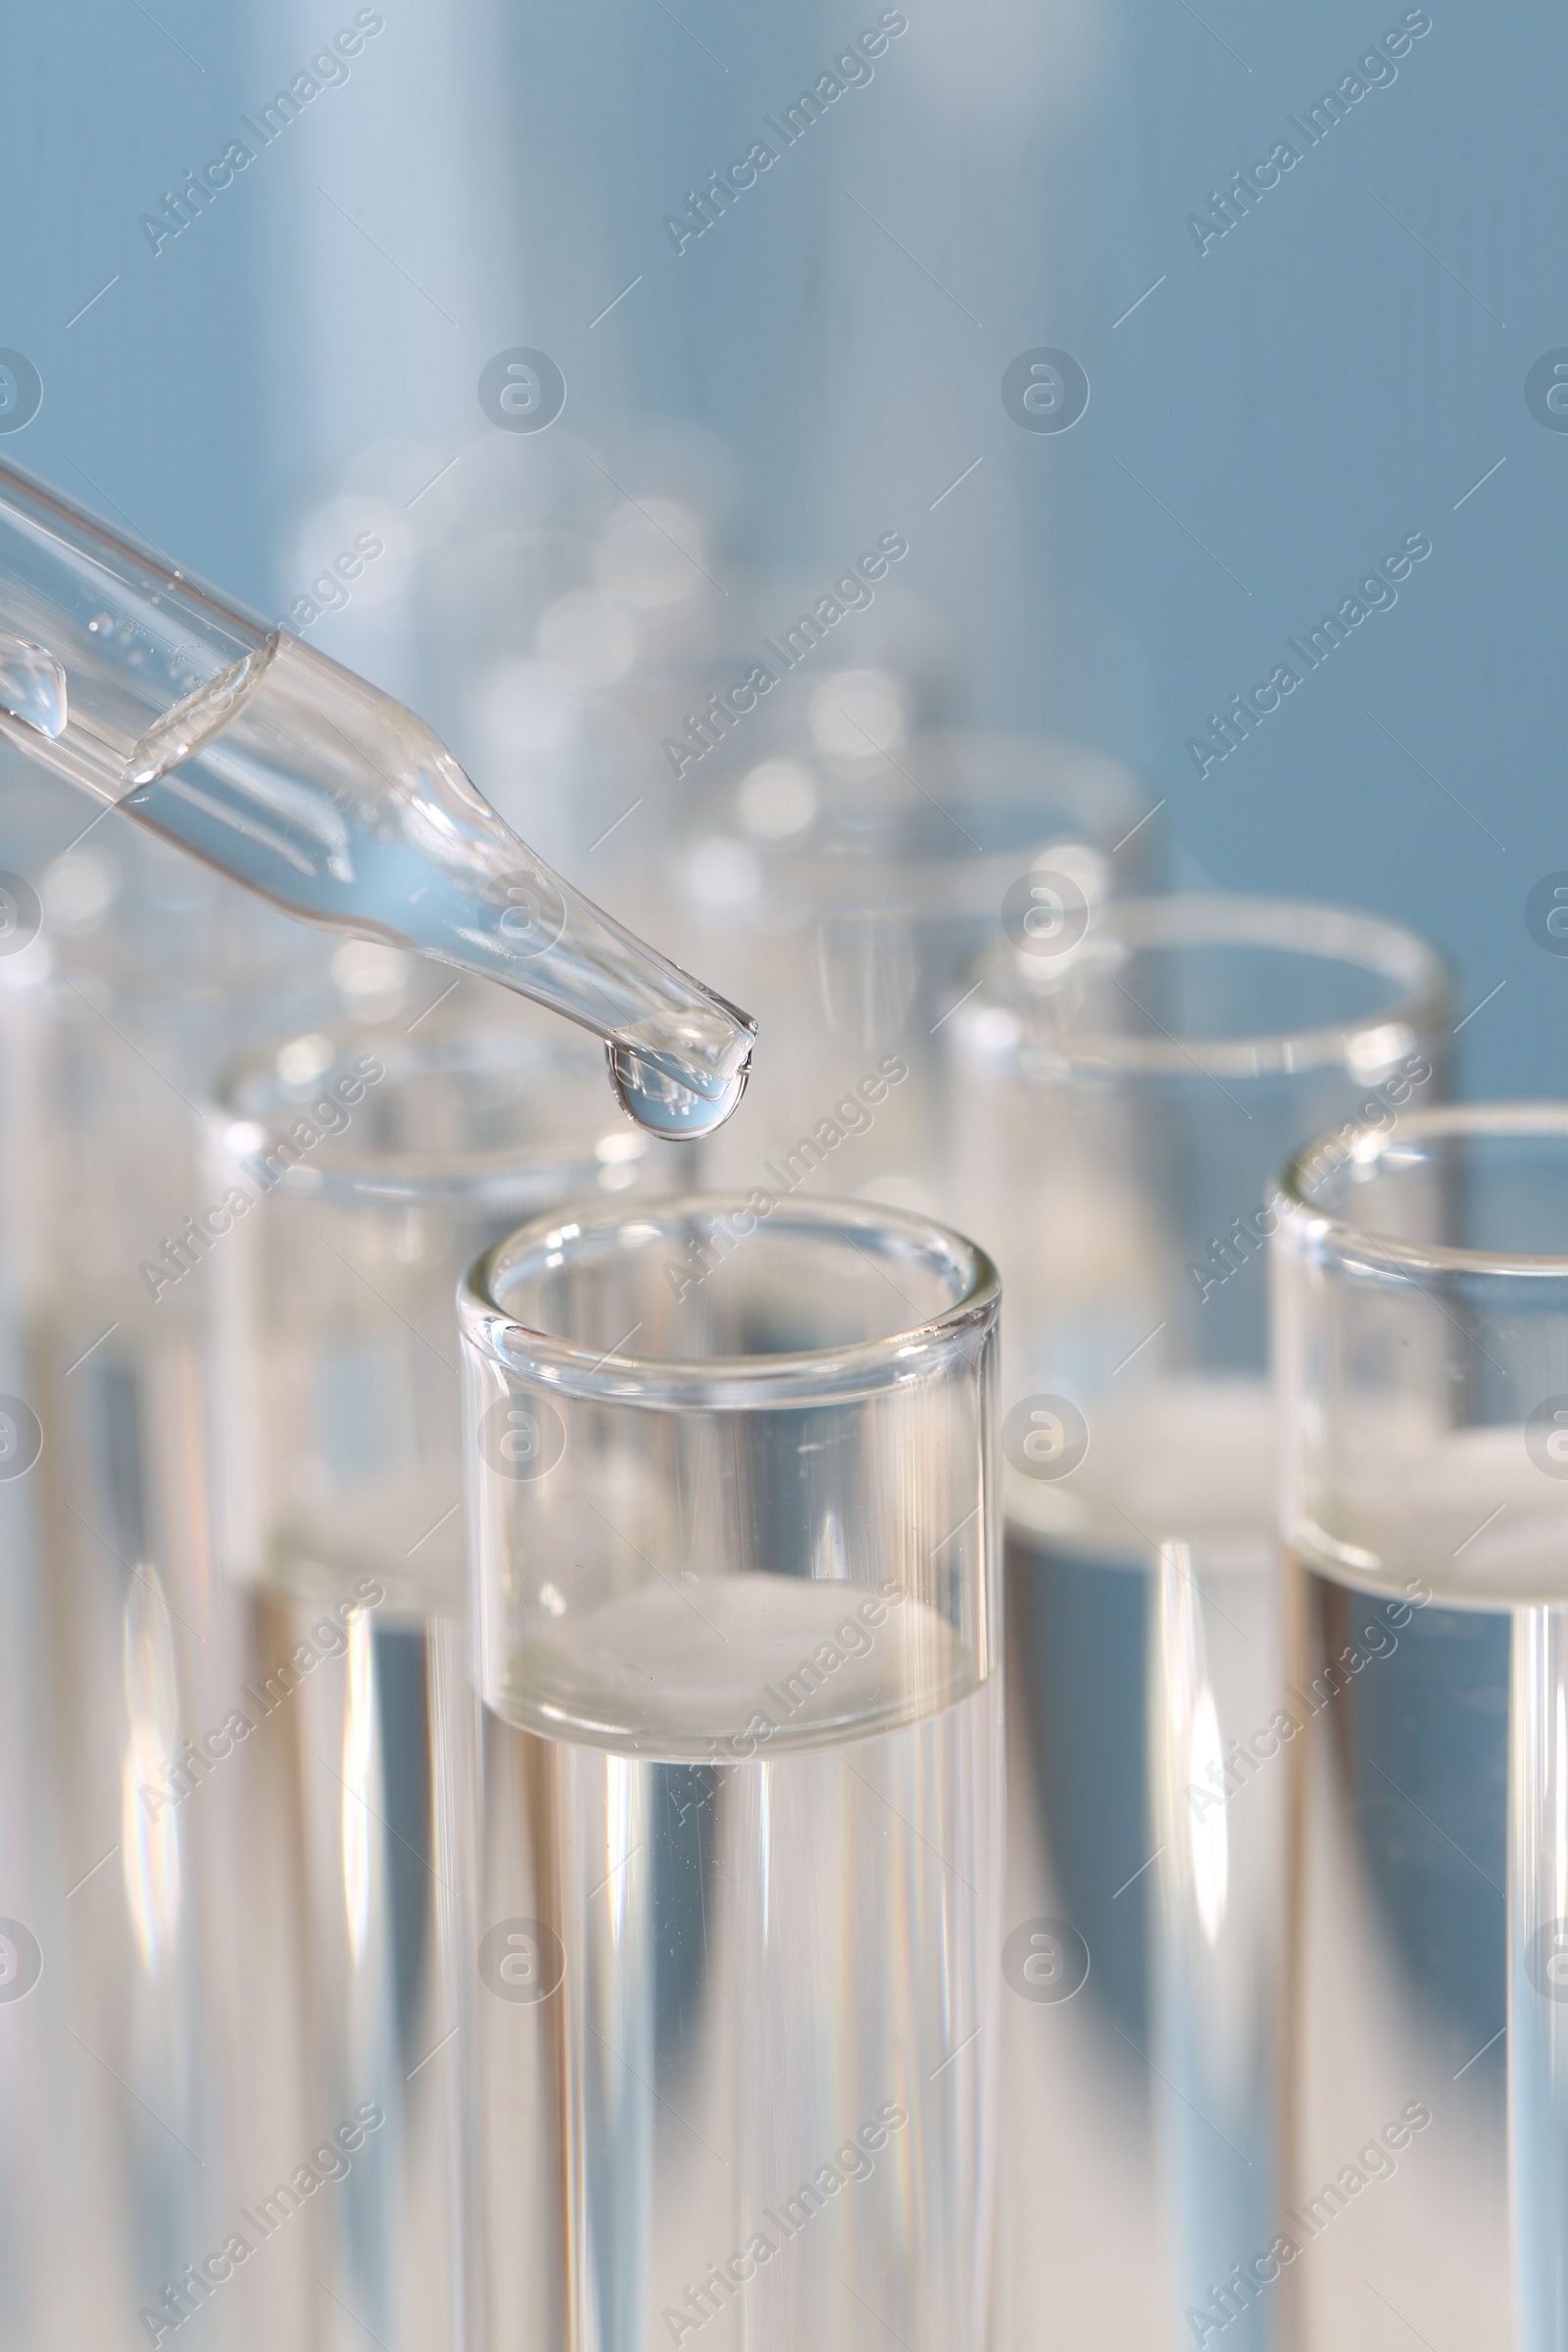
column 1217, row 919
column 491, row 1180
column 844, row 1373
column 1324, row 1235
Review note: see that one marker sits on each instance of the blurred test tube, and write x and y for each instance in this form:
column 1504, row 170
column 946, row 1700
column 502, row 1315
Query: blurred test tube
column 1122, row 1102
column 851, row 882
column 126, row 973
column 359, row 1168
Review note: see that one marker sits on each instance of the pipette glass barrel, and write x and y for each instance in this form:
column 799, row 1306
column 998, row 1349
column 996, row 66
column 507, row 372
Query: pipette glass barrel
column 307, row 784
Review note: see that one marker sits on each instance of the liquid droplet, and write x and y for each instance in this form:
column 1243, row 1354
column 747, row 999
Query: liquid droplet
column 32, row 686
column 665, row 1095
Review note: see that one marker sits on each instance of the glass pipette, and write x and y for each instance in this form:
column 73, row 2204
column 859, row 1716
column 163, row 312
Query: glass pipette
column 306, row 783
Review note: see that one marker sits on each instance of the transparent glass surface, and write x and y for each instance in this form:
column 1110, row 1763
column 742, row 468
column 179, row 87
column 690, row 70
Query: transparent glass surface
column 566, row 608
column 378, row 1164
column 1122, row 1102
column 127, row 2142
column 356, row 1169
column 732, row 2020
column 254, row 752
column 1422, row 1287
column 845, row 887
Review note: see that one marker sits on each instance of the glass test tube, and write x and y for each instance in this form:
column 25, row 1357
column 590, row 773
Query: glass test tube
column 112, row 2012
column 37, row 2094
column 1122, row 1105
column 733, row 2006
column 852, row 899
column 1422, row 1289
column 559, row 616
column 359, row 1170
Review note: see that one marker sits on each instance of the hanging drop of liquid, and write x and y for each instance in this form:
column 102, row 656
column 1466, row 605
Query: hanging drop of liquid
column 32, row 686
column 655, row 1089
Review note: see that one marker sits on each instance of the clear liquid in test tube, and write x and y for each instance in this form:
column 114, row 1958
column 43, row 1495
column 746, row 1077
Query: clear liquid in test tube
column 736, row 1838
column 337, row 1463
column 1422, row 1291
column 1125, row 1101
column 123, row 2171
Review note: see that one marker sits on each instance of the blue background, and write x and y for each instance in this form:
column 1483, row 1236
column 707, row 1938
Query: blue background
column 1282, row 409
